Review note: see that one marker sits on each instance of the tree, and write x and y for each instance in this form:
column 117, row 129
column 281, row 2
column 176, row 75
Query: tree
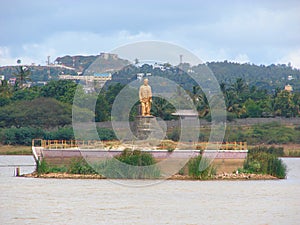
column 162, row 108
column 253, row 109
column 40, row 112
column 102, row 109
column 5, row 93
column 22, row 75
column 285, row 105
column 26, row 94
column 112, row 92
column 239, row 86
column 296, row 100
column 62, row 90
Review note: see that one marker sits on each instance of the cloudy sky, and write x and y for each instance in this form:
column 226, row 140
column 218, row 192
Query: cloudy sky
column 260, row 32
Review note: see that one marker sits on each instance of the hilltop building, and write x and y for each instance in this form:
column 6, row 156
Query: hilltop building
column 107, row 56
column 12, row 81
column 98, row 79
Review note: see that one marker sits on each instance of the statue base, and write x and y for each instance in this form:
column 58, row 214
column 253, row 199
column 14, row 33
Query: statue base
column 144, row 125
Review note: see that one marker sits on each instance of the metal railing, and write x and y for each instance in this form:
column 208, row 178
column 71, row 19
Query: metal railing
column 95, row 144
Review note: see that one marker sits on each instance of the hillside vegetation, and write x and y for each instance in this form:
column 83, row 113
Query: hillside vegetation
column 249, row 91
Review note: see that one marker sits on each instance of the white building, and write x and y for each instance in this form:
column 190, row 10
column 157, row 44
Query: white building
column 139, row 76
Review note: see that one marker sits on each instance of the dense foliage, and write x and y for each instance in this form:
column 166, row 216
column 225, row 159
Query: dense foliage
column 265, row 160
column 76, row 166
column 24, row 135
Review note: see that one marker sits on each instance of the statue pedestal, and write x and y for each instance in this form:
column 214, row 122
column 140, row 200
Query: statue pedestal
column 144, row 125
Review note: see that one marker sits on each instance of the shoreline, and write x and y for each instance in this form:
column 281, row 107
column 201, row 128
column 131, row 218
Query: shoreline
column 218, row 177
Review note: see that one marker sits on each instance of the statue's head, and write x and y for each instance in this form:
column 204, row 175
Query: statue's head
column 146, row 81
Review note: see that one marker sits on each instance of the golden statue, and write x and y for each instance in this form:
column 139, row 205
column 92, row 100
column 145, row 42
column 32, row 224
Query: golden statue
column 145, row 95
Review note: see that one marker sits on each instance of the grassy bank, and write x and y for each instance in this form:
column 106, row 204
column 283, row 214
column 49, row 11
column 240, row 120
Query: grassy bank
column 15, row 150
column 128, row 165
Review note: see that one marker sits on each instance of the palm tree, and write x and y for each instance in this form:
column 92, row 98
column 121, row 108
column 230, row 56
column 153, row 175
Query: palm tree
column 233, row 103
column 223, row 87
column 22, row 75
column 162, row 108
column 200, row 101
column 239, row 86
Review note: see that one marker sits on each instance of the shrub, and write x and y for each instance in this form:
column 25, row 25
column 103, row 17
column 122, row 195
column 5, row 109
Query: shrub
column 278, row 151
column 106, row 134
column 77, row 166
column 265, row 163
column 277, row 168
column 42, row 167
column 130, row 165
column 80, row 166
column 58, row 169
column 65, row 133
column 174, row 135
column 200, row 168
column 168, row 145
column 20, row 136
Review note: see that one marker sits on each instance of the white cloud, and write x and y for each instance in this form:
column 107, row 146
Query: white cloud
column 292, row 57
column 5, row 57
column 241, row 58
column 207, row 53
column 70, row 43
column 240, row 31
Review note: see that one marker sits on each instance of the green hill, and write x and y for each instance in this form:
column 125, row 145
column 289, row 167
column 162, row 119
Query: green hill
column 263, row 77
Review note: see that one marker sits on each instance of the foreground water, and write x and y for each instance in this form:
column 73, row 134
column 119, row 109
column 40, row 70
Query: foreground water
column 52, row 201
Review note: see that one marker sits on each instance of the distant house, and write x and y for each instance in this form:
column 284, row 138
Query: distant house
column 288, row 88
column 159, row 66
column 139, row 76
column 99, row 78
column 12, row 81
column 1, row 78
column 104, row 76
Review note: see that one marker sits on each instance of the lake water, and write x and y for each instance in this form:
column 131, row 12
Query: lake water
column 52, row 201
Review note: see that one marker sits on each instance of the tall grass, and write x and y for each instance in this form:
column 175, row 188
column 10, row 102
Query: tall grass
column 76, row 166
column 201, row 168
column 265, row 162
column 129, row 165
column 80, row 166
